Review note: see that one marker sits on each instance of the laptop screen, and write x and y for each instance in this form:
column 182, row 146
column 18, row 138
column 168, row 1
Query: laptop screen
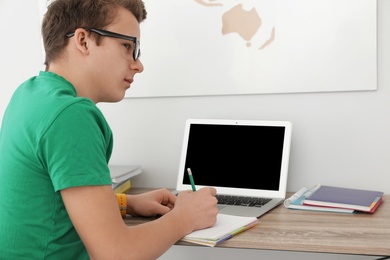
column 236, row 154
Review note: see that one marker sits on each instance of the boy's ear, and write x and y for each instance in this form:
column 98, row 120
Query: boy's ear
column 80, row 39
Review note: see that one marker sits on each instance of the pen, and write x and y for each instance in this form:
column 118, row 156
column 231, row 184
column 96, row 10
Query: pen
column 191, row 179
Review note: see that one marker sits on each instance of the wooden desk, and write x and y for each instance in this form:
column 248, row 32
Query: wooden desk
column 309, row 231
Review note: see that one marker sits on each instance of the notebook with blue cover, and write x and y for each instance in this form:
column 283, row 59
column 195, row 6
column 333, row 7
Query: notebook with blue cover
column 342, row 197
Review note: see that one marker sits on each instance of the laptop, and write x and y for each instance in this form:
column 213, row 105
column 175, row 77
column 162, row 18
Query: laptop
column 244, row 159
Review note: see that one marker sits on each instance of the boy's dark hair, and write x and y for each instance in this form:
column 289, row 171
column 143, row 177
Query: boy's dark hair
column 64, row 16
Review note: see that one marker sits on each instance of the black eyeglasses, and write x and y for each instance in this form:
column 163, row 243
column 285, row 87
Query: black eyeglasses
column 136, row 50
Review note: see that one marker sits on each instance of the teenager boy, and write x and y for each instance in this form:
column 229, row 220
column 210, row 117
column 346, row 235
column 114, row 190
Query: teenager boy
column 56, row 200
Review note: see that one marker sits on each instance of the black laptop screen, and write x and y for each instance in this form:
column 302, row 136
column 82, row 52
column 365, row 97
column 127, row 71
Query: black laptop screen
column 235, row 156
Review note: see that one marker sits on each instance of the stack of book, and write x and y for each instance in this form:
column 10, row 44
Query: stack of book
column 335, row 199
column 121, row 175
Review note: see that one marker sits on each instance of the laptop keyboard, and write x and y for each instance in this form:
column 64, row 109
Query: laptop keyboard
column 241, row 200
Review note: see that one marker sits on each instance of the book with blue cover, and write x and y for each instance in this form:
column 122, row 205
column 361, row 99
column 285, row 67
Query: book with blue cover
column 297, row 199
column 347, row 198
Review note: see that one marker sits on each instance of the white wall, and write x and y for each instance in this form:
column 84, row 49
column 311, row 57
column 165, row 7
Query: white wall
column 339, row 138
column 20, row 46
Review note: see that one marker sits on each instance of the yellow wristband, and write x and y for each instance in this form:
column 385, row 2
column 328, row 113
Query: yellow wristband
column 121, row 198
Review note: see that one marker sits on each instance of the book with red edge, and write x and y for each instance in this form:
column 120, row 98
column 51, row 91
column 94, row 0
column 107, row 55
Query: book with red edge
column 376, row 205
column 347, row 198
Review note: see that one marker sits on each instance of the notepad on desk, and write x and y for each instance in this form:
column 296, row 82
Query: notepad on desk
column 225, row 228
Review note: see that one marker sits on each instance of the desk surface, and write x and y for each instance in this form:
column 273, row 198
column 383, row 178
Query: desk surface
column 309, row 231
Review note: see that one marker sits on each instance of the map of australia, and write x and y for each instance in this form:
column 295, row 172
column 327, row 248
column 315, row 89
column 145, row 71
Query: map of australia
column 245, row 23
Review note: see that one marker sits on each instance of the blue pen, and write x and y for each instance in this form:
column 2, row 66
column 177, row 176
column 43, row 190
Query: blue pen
column 191, row 179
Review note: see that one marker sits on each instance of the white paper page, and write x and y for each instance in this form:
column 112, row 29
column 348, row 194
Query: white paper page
column 225, row 224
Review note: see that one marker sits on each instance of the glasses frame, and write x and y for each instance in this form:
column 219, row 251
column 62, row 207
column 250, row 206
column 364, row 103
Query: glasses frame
column 136, row 50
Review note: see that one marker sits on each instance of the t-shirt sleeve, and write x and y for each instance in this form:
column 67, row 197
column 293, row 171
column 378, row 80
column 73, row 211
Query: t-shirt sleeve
column 77, row 147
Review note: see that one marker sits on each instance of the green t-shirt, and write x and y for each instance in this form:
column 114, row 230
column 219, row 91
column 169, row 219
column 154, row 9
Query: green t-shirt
column 50, row 140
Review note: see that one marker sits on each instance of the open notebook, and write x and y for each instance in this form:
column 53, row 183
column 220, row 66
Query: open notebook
column 225, row 228
column 240, row 158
